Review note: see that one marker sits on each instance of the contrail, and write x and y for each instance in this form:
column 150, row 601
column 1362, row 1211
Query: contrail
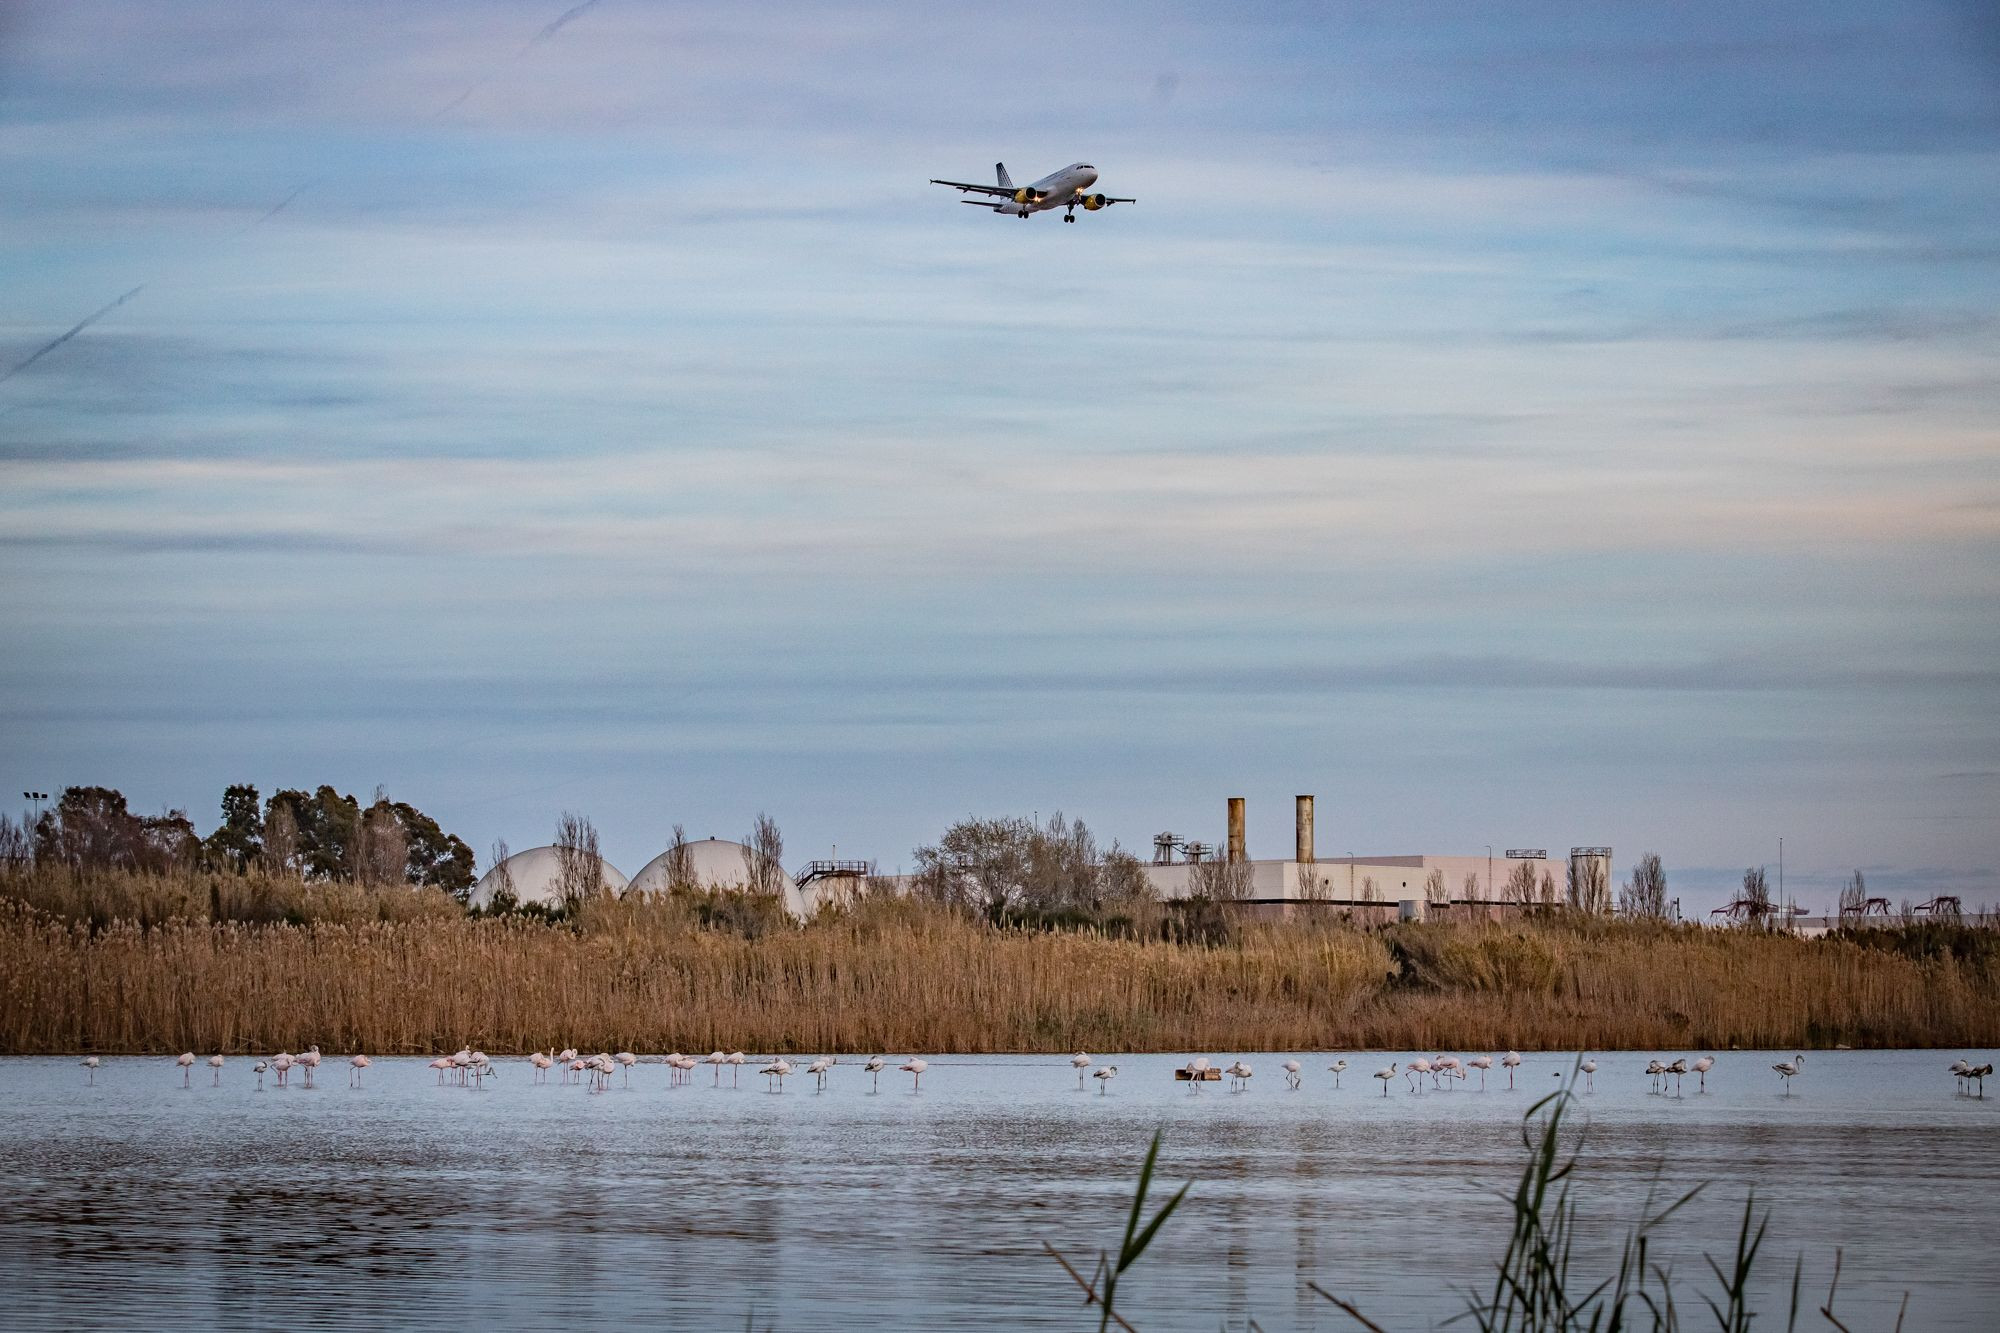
column 556, row 25
column 79, row 327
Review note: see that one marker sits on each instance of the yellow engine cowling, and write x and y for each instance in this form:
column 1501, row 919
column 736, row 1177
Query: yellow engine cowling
column 1092, row 202
column 1021, row 195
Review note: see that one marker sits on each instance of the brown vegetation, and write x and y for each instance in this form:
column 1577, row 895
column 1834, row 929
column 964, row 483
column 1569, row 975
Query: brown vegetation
column 130, row 962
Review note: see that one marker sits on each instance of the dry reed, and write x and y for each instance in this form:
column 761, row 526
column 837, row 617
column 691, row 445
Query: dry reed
column 395, row 972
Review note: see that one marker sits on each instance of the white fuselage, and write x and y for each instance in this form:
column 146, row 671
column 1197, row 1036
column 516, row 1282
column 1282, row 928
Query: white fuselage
column 1058, row 189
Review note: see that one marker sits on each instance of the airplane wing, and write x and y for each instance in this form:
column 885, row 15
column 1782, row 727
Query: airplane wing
column 979, row 189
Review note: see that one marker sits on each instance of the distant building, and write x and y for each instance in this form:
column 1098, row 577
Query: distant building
column 534, row 877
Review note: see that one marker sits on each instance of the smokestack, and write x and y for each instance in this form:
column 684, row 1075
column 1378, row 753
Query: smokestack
column 1235, row 829
column 1305, row 833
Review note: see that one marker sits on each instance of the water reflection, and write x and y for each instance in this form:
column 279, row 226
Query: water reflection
column 694, row 1206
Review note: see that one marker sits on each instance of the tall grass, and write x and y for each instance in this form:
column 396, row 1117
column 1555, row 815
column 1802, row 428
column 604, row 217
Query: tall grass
column 133, row 963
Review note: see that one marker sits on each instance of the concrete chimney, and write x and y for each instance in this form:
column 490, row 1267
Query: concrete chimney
column 1304, row 855
column 1236, row 829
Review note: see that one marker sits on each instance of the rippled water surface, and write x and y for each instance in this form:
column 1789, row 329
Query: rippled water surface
column 401, row 1202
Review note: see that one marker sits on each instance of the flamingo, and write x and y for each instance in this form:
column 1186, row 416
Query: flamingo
column 1415, row 1073
column 186, row 1061
column 1979, row 1072
column 1240, row 1072
column 915, row 1067
column 876, row 1064
column 310, row 1059
column 718, row 1059
column 1653, row 1071
column 215, row 1064
column 1590, row 1075
column 1510, row 1062
column 355, row 1064
column 1482, row 1063
column 282, row 1063
column 1079, row 1062
column 777, row 1069
column 1387, row 1076
column 1786, row 1069
column 1337, row 1068
column 259, row 1069
column 1701, row 1067
column 91, row 1063
column 542, row 1063
column 1291, row 1068
column 1960, row 1070
column 736, row 1059
column 818, row 1070
column 627, row 1059
column 1445, row 1066
column 443, row 1066
column 1104, row 1077
column 1677, row 1069
column 1198, row 1071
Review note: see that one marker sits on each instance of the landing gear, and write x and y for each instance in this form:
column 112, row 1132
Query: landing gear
column 1069, row 217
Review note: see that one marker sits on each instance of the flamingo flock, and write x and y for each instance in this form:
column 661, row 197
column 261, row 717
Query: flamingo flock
column 469, row 1067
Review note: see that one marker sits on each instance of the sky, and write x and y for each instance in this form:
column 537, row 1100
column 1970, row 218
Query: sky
column 1515, row 424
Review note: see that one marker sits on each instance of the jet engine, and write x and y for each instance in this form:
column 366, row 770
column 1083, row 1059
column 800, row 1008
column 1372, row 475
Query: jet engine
column 1092, row 202
column 1024, row 195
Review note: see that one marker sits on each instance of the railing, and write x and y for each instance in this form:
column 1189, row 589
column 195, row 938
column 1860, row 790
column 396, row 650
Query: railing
column 813, row 870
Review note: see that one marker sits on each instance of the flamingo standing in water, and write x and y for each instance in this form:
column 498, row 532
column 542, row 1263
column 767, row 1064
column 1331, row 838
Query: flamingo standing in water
column 1292, row 1079
column 1589, row 1075
column 91, row 1063
column 1240, row 1071
column 1978, row 1073
column 1787, row 1069
column 542, row 1063
column 1701, row 1067
column 1960, row 1070
column 443, row 1066
column 355, row 1064
column 1415, row 1074
column 281, row 1064
column 1677, row 1069
column 627, row 1060
column 1387, row 1076
column 915, row 1067
column 311, row 1061
column 215, row 1064
column 1654, row 1069
column 1198, row 1071
column 258, row 1069
column 1446, row 1066
column 876, row 1064
column 1079, row 1062
column 1482, row 1063
column 818, row 1070
column 736, row 1059
column 718, row 1059
column 1510, row 1062
column 1337, row 1068
column 1104, row 1077
column 186, row 1061
column 777, row 1069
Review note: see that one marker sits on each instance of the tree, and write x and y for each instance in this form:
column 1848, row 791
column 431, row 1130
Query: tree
column 1854, row 896
column 1589, row 884
column 1470, row 888
column 680, row 863
column 503, row 898
column 1756, row 893
column 381, row 851
column 281, row 840
column 1644, row 896
column 764, row 857
column 1223, row 881
column 1002, row 866
column 90, row 828
column 579, row 869
column 238, row 841
column 328, row 825
column 1434, row 887
column 978, row 864
column 1520, row 886
column 435, row 858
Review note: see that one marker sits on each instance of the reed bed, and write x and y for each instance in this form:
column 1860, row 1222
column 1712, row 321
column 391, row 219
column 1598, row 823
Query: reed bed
column 395, row 972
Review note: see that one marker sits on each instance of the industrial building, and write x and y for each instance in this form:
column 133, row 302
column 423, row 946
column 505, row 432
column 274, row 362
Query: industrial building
column 1412, row 885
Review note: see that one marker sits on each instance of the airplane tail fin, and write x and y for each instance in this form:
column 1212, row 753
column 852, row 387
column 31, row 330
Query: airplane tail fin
column 1000, row 169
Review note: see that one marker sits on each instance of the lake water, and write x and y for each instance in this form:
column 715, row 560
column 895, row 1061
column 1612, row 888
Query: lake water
column 402, row 1202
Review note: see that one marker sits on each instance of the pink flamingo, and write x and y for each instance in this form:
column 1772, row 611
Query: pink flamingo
column 1482, row 1063
column 626, row 1059
column 355, row 1064
column 186, row 1061
column 282, row 1063
column 736, row 1059
column 1510, row 1062
column 915, row 1067
column 91, row 1062
column 215, row 1064
column 310, row 1059
column 1701, row 1067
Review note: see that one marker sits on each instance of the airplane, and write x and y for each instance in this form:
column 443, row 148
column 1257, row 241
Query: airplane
column 1060, row 189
